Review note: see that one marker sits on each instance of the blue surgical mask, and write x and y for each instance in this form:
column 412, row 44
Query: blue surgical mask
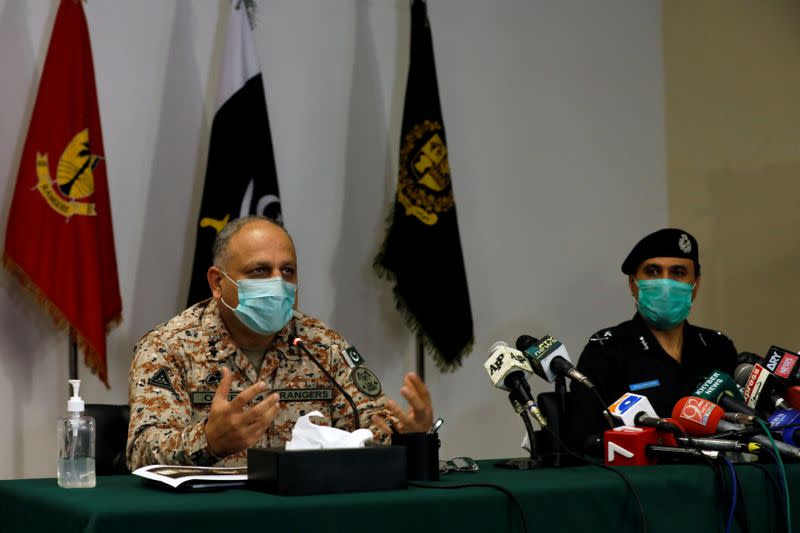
column 265, row 305
column 664, row 302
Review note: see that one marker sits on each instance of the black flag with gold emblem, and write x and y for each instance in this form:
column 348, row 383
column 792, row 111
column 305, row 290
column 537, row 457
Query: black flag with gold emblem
column 240, row 175
column 422, row 251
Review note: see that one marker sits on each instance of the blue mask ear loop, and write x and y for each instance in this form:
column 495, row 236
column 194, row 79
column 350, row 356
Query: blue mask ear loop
column 221, row 298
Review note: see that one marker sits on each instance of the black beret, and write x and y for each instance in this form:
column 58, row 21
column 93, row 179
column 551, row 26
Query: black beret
column 668, row 242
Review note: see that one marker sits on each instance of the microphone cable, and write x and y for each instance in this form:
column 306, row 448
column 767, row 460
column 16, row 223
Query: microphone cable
column 502, row 489
column 777, row 485
column 296, row 341
column 782, row 471
column 606, row 414
column 624, row 477
column 734, row 483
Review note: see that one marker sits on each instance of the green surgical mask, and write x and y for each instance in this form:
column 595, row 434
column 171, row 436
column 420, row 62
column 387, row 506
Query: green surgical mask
column 664, row 302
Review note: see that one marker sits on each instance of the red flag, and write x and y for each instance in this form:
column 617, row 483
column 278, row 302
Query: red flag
column 59, row 240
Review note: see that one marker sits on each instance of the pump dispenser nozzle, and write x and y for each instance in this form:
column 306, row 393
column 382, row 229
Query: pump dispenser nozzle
column 75, row 404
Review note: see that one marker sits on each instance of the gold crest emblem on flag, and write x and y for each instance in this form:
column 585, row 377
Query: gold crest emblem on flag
column 424, row 176
column 74, row 178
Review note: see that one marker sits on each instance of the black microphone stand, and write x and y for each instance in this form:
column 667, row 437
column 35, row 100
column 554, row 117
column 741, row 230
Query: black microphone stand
column 561, row 400
column 523, row 463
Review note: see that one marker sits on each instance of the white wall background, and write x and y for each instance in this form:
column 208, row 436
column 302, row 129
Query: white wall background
column 554, row 116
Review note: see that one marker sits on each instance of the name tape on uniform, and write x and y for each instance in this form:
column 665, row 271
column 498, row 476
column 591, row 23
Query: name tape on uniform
column 304, row 395
column 286, row 395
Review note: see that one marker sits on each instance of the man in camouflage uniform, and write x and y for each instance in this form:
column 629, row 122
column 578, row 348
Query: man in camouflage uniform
column 223, row 375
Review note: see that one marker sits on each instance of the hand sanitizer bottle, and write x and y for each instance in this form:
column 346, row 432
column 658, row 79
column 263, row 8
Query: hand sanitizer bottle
column 76, row 437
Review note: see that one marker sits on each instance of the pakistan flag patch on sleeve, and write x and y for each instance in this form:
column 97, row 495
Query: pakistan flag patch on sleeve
column 352, row 357
column 161, row 379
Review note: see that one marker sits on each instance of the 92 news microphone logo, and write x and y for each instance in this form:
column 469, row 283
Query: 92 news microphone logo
column 697, row 410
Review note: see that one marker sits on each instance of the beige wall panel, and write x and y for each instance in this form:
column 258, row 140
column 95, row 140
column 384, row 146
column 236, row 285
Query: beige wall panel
column 732, row 74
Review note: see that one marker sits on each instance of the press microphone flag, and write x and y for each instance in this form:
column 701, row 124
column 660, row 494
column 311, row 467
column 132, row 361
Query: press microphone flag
column 762, row 390
column 508, row 369
column 720, row 388
column 784, row 364
column 549, row 359
column 701, row 418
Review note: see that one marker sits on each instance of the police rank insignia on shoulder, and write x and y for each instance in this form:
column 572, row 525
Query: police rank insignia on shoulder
column 161, row 379
column 352, row 357
column 601, row 337
column 366, row 381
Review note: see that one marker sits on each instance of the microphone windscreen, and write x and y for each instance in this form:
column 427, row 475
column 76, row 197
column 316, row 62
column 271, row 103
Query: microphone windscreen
column 698, row 417
column 748, row 357
column 526, row 341
column 742, row 373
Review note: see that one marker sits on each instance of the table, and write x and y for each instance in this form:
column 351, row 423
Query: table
column 584, row 498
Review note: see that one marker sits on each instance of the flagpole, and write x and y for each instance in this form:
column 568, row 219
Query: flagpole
column 73, row 355
column 420, row 357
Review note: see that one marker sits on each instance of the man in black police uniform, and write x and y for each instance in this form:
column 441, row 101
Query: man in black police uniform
column 657, row 354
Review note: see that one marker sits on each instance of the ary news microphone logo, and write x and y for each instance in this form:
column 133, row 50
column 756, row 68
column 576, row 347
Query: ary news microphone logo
column 697, row 410
column 781, row 362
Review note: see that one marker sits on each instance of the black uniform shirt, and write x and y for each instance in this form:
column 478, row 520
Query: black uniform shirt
column 628, row 358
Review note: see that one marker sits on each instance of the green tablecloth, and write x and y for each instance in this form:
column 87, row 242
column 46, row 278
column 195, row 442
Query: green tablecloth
column 675, row 498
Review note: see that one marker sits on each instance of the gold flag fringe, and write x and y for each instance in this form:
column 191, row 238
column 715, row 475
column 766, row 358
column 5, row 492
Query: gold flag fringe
column 91, row 357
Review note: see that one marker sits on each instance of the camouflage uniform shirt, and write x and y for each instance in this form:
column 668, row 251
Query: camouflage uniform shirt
column 176, row 369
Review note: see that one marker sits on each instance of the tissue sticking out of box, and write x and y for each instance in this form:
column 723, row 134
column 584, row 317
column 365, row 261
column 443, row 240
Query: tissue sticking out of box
column 308, row 436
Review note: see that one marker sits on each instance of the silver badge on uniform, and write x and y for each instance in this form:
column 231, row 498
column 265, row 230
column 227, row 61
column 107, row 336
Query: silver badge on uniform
column 684, row 243
column 366, row 381
column 644, row 343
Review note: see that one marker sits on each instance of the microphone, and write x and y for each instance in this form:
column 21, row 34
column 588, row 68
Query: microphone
column 749, row 357
column 297, row 342
column 793, row 396
column 787, row 423
column 762, row 390
column 784, row 364
column 697, row 416
column 722, row 445
column 720, row 388
column 636, row 446
column 508, row 368
column 549, row 358
column 636, row 410
column 700, row 417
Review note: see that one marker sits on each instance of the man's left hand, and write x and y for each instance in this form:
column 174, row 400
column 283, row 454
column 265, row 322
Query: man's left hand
column 419, row 417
